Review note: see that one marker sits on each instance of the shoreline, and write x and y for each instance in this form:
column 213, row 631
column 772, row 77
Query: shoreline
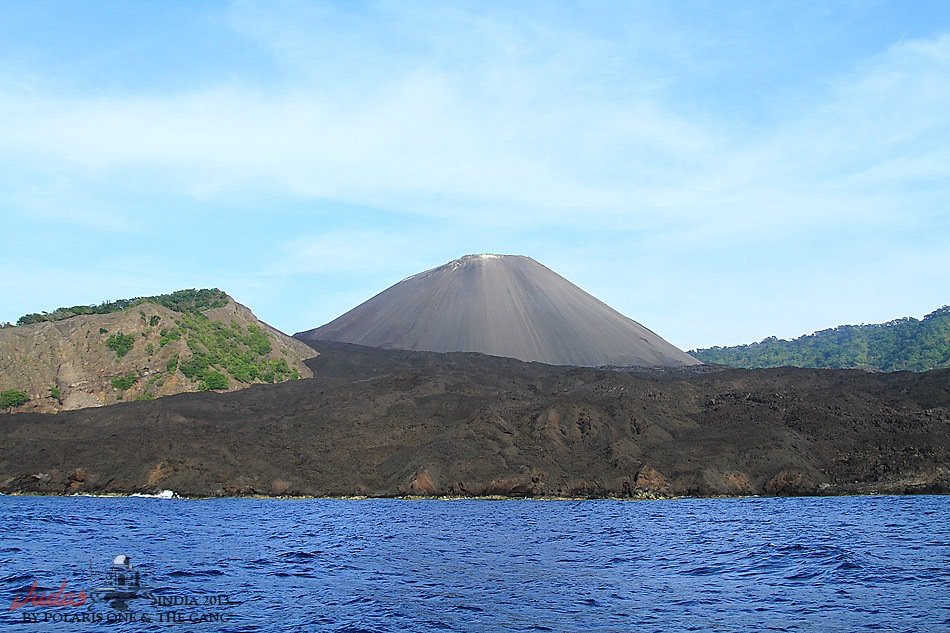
column 650, row 497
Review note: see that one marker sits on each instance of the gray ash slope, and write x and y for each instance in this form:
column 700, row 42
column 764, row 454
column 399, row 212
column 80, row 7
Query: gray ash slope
column 501, row 305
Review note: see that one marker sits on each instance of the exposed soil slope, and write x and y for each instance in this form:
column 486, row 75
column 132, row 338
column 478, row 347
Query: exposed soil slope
column 72, row 356
column 502, row 305
column 385, row 422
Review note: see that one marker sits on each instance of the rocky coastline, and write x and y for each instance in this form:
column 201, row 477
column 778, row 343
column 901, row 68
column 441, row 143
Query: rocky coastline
column 389, row 423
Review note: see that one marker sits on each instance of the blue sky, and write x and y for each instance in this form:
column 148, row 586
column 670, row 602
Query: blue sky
column 719, row 171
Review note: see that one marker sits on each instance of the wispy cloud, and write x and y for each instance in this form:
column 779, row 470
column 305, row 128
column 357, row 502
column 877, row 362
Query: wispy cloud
column 423, row 135
column 604, row 138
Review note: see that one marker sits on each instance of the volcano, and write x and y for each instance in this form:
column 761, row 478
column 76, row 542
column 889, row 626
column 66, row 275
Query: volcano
column 501, row 305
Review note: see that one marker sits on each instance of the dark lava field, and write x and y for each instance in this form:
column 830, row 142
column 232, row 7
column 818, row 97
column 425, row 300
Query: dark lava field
column 381, row 422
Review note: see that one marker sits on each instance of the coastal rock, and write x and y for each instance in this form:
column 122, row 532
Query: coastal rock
column 392, row 422
column 648, row 479
column 727, row 483
column 421, row 484
column 791, row 482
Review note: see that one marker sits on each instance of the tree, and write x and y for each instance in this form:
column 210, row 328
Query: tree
column 901, row 344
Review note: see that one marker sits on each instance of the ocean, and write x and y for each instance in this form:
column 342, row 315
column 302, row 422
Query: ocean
column 876, row 563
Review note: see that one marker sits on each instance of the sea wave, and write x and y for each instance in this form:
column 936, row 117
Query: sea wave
column 268, row 565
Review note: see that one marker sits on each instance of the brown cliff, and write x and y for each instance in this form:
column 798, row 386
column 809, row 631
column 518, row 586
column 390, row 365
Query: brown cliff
column 67, row 364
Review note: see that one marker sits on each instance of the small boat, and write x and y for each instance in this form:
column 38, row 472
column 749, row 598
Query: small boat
column 120, row 582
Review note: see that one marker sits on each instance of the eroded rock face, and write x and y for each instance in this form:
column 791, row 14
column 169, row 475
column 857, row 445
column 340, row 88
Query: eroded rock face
column 387, row 422
column 649, row 480
column 791, row 482
column 68, row 364
column 502, row 305
column 421, row 484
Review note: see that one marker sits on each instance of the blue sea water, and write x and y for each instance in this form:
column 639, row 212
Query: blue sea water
column 755, row 564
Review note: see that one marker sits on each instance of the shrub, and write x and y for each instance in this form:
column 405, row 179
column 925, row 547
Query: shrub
column 155, row 381
column 194, row 367
column 214, row 380
column 257, row 339
column 180, row 301
column 120, row 343
column 192, row 300
column 124, row 382
column 12, row 398
column 54, row 392
column 168, row 335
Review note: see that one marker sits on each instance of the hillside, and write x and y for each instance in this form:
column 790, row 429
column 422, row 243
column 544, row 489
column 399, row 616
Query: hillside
column 390, row 422
column 902, row 344
column 502, row 305
column 139, row 349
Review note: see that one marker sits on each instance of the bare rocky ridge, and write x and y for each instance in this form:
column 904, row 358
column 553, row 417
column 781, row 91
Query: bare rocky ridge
column 390, row 422
column 502, row 305
column 71, row 355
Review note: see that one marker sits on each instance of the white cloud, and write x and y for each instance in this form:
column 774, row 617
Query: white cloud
column 425, row 136
column 509, row 124
column 508, row 134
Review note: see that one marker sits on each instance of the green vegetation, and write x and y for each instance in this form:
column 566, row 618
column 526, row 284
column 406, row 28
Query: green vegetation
column 64, row 313
column 155, row 381
column 191, row 300
column 180, row 301
column 195, row 367
column 55, row 393
column 241, row 352
column 168, row 335
column 902, row 344
column 12, row 398
column 217, row 353
column 124, row 383
column 120, row 343
column 214, row 380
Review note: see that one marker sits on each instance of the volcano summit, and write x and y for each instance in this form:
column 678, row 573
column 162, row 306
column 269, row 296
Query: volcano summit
column 501, row 305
